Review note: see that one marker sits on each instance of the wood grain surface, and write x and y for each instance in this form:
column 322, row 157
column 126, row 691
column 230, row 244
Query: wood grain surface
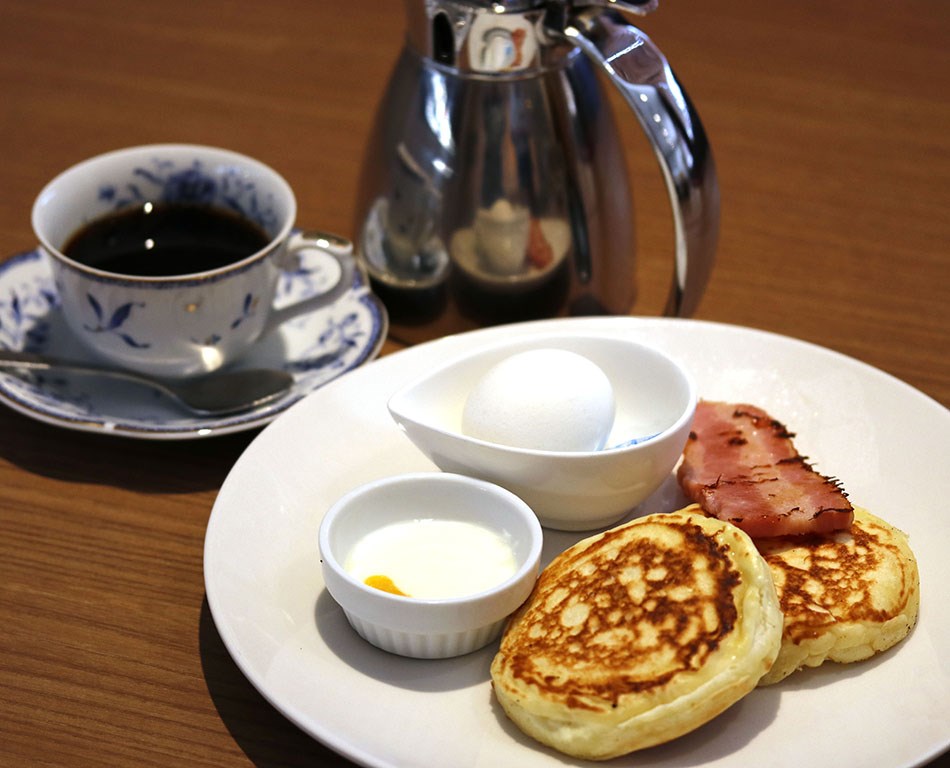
column 829, row 122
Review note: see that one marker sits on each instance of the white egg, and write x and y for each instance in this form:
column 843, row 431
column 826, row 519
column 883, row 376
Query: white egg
column 542, row 399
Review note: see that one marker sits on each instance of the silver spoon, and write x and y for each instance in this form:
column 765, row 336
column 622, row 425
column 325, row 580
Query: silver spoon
column 215, row 394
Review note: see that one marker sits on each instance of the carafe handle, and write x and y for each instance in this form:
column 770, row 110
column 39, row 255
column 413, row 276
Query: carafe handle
column 644, row 77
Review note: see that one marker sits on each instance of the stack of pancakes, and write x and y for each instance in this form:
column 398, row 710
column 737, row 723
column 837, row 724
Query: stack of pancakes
column 642, row 633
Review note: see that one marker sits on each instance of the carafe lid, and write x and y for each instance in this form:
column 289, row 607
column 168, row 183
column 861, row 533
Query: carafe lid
column 498, row 37
column 479, row 37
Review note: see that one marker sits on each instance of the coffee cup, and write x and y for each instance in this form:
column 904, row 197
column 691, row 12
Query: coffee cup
column 167, row 257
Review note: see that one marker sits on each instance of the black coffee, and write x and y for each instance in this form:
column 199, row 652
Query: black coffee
column 162, row 240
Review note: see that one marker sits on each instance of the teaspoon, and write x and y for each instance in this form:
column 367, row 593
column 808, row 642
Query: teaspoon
column 215, row 394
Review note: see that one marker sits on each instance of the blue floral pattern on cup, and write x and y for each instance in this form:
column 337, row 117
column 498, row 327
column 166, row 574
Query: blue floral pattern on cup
column 115, row 321
column 248, row 309
column 163, row 181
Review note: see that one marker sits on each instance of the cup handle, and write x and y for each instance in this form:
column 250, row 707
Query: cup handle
column 337, row 247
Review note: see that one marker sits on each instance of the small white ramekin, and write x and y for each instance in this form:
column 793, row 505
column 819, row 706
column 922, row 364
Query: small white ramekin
column 428, row 628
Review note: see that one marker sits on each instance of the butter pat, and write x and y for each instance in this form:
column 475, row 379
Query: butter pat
column 542, row 399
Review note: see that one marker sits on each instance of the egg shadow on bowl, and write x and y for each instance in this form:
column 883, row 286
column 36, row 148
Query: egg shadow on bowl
column 425, row 675
column 669, row 497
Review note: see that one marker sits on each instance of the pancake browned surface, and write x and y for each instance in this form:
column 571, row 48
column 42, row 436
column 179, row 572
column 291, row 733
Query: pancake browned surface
column 638, row 635
column 845, row 596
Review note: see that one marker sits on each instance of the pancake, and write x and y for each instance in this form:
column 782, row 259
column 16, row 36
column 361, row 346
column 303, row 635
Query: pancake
column 845, row 596
column 637, row 635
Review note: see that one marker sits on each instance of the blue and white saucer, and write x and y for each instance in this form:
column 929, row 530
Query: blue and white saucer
column 316, row 348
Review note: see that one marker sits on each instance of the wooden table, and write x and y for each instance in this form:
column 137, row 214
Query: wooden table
column 829, row 124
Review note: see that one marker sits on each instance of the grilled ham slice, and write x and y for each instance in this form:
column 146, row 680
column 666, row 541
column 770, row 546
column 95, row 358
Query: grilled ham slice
column 740, row 465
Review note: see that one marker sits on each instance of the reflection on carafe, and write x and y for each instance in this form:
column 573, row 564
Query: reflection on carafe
column 494, row 186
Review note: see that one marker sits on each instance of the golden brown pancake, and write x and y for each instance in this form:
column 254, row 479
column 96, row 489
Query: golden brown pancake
column 638, row 635
column 845, row 596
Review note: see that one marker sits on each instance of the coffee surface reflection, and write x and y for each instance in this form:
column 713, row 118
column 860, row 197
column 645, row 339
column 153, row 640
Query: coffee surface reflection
column 165, row 239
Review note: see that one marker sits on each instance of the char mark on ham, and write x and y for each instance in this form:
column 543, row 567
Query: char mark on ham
column 741, row 465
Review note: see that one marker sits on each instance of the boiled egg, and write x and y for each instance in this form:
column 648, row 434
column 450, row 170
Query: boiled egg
column 542, row 399
column 431, row 559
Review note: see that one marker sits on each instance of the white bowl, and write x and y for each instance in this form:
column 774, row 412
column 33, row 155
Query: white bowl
column 577, row 491
column 429, row 628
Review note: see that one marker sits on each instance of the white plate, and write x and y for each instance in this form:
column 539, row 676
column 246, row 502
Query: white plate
column 886, row 441
column 315, row 347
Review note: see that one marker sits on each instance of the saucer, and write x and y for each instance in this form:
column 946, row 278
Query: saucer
column 316, row 348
